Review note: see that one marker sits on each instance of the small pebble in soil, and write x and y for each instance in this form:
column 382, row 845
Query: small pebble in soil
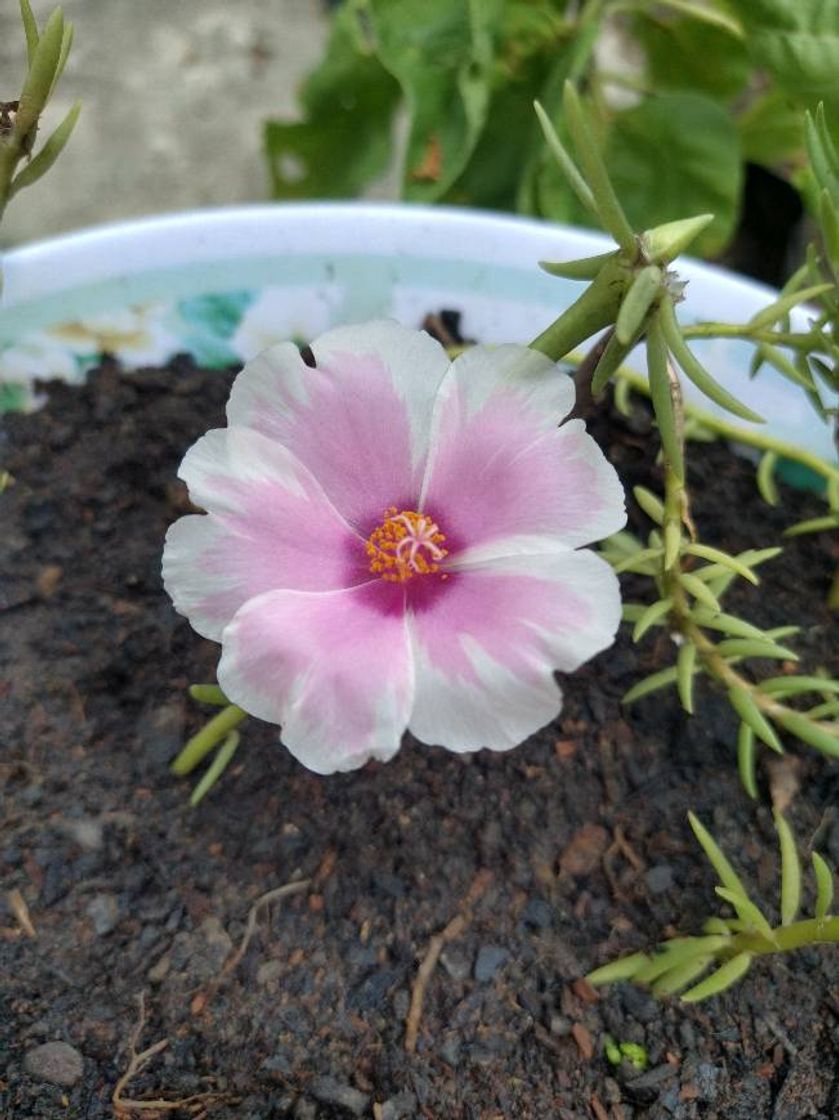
column 328, row 1090
column 103, row 912
column 59, row 1063
column 400, row 1107
column 488, row 961
column 659, row 878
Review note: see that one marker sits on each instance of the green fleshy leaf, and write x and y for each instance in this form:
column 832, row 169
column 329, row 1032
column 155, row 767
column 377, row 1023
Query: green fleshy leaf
column 666, row 242
column 817, row 735
column 746, row 759
column 653, row 614
column 700, row 591
column 48, row 154
column 680, row 976
column 622, row 969
column 748, row 913
column 696, row 372
column 637, row 303
column 725, row 872
column 685, row 670
column 751, row 647
column 653, row 683
column 588, row 152
column 794, row 686
column 745, row 707
column 649, row 503
column 613, row 356
column 30, row 29
column 790, row 871
column 765, row 478
column 824, row 886
column 584, row 269
column 717, row 556
column 214, row 771
column 724, row 977
column 39, row 80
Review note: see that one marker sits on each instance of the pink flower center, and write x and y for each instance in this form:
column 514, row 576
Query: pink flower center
column 406, row 544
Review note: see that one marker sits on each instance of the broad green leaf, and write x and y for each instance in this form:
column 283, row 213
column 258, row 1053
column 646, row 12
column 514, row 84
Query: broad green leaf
column 824, row 886
column 722, row 978
column 701, row 173
column 344, row 142
column 677, row 51
column 790, row 870
column 797, row 41
column 441, row 53
column 771, row 129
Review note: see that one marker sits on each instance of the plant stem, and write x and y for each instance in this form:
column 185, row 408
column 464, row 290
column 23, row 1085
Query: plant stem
column 797, row 935
column 681, row 617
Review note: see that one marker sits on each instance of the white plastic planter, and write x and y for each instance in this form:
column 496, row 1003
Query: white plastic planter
column 223, row 284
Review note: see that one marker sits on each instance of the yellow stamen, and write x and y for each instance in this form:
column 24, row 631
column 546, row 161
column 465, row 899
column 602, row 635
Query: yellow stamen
column 406, row 544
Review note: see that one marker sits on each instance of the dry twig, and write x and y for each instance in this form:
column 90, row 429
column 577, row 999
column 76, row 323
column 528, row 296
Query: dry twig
column 125, row 1107
column 17, row 905
column 201, row 1000
column 432, row 954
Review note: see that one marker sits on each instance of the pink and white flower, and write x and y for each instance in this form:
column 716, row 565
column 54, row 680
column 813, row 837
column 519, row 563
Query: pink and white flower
column 392, row 541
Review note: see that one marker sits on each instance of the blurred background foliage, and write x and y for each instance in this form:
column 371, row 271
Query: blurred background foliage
column 698, row 106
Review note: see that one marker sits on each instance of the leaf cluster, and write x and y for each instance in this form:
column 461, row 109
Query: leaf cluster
column 465, row 72
column 47, row 51
column 729, row 945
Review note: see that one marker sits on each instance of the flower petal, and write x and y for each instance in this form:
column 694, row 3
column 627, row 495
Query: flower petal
column 500, row 468
column 270, row 526
column 333, row 669
column 360, row 421
column 486, row 647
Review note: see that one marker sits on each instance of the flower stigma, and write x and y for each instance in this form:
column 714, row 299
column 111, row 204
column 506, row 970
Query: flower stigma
column 406, row 544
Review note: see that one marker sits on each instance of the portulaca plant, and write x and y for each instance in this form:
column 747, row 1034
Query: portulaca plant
column 395, row 541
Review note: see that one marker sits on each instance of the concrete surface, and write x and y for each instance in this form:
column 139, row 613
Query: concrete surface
column 174, row 93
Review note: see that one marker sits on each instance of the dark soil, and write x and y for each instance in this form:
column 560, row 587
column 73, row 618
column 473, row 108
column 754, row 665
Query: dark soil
column 582, row 830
